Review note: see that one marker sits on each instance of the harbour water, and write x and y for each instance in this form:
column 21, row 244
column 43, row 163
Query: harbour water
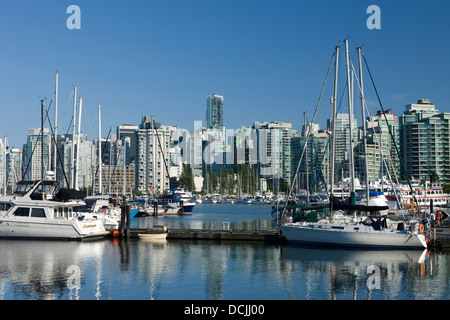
column 208, row 270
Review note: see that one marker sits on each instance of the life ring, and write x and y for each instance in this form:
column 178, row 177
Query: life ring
column 421, row 228
column 103, row 210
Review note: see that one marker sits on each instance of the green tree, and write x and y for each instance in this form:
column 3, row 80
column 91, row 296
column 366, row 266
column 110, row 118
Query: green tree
column 187, row 178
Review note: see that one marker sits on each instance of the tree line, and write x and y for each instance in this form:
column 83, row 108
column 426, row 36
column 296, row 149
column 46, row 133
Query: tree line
column 240, row 179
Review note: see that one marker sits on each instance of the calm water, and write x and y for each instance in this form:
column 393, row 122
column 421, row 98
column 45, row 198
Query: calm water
column 177, row 270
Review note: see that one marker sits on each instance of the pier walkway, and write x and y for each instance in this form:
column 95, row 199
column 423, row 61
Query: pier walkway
column 273, row 236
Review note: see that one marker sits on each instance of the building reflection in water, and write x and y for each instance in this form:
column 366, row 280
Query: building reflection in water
column 135, row 269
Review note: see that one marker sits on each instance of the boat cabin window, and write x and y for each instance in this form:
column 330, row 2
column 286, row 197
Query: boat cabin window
column 4, row 206
column 57, row 212
column 63, row 212
column 22, row 212
column 37, row 213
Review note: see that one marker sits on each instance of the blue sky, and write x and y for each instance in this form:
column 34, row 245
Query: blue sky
column 162, row 58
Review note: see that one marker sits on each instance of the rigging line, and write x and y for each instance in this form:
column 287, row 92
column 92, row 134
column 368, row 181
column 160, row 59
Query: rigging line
column 65, row 111
column 25, row 170
column 326, row 147
column 307, row 136
column 162, row 153
column 103, row 149
column 55, row 139
column 385, row 163
column 390, row 132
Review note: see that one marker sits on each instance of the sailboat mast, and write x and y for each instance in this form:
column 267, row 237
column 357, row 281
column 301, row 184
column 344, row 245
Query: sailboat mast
column 42, row 141
column 366, row 167
column 350, row 119
column 72, row 160
column 99, row 152
column 77, row 166
column 56, row 127
column 333, row 123
column 333, row 130
column 306, row 158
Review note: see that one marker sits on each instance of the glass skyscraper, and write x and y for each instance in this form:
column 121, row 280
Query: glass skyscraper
column 214, row 111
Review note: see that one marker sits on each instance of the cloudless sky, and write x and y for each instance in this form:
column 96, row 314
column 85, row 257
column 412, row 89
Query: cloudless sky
column 162, row 58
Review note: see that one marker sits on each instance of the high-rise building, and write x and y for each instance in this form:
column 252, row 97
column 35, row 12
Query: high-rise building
column 13, row 167
column 128, row 130
column 342, row 143
column 85, row 168
column 36, row 146
column 274, row 151
column 214, row 111
column 382, row 139
column 314, row 165
column 152, row 156
column 425, row 141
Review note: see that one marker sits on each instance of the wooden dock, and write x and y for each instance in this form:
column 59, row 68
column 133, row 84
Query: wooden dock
column 440, row 238
column 265, row 236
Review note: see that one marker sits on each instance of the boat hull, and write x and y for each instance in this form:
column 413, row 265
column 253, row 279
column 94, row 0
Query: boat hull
column 152, row 236
column 51, row 229
column 345, row 237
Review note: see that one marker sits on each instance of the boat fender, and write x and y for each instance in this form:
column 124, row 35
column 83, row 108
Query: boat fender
column 421, row 228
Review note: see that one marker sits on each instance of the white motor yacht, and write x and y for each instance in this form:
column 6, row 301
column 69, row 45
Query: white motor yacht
column 35, row 212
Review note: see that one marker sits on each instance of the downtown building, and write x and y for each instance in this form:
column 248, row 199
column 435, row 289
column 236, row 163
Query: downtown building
column 152, row 154
column 425, row 141
column 383, row 141
column 36, row 154
column 76, row 170
column 214, row 111
column 273, row 152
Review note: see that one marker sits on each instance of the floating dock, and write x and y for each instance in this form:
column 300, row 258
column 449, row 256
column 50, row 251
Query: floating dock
column 266, row 236
column 440, row 238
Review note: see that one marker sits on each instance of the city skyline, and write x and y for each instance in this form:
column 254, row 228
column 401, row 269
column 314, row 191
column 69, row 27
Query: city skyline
column 267, row 59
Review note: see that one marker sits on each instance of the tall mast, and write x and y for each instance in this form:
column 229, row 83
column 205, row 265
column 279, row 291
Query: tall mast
column 333, row 127
column 77, row 166
column 72, row 160
column 56, row 127
column 350, row 119
column 42, row 141
column 99, row 152
column 366, row 168
column 4, row 168
column 333, row 124
column 305, row 132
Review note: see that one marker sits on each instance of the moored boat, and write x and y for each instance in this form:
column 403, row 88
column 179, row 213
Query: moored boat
column 36, row 211
column 155, row 233
column 373, row 232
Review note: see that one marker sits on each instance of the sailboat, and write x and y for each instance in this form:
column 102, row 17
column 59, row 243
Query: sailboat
column 373, row 231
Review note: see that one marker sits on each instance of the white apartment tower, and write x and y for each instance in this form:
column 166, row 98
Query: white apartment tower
column 152, row 157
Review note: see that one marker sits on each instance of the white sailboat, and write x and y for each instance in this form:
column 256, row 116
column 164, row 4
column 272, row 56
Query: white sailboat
column 36, row 213
column 373, row 232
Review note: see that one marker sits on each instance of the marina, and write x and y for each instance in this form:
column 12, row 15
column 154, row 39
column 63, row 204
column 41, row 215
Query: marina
column 180, row 269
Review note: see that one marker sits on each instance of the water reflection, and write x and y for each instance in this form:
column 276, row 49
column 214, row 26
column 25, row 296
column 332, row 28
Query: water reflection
column 349, row 274
column 168, row 269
